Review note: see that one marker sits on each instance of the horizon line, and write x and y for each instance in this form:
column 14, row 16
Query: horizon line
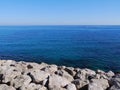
column 68, row 25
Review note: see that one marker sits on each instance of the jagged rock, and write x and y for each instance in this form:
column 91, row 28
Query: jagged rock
column 36, row 66
column 61, row 67
column 6, row 87
column 65, row 75
column 38, row 75
column 77, row 69
column 94, row 86
column 84, row 74
column 71, row 87
column 79, row 83
column 9, row 73
column 87, row 72
column 59, row 72
column 110, row 74
column 70, row 70
column 115, row 82
column 98, row 84
column 50, row 69
column 33, row 86
column 100, row 72
column 57, row 82
column 20, row 80
column 32, row 76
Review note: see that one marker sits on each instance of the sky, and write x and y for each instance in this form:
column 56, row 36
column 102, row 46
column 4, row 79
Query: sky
column 59, row 12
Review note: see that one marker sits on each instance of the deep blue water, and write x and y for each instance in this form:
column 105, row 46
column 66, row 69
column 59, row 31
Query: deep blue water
column 79, row 46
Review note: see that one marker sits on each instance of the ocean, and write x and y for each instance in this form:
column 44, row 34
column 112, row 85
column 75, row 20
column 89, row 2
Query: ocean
column 94, row 47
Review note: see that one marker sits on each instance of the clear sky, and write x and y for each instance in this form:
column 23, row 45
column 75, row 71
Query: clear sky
column 59, row 12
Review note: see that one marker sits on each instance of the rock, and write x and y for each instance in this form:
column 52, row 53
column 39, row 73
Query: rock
column 9, row 73
column 115, row 83
column 97, row 76
column 100, row 72
column 6, row 87
column 61, row 67
column 64, row 74
column 94, row 86
column 114, row 87
column 33, row 86
column 110, row 74
column 50, row 69
column 57, row 82
column 71, row 87
column 70, row 70
column 77, row 69
column 36, row 66
column 32, row 76
column 67, row 76
column 88, row 72
column 20, row 80
column 84, row 74
column 59, row 72
column 79, row 83
column 38, row 75
column 98, row 84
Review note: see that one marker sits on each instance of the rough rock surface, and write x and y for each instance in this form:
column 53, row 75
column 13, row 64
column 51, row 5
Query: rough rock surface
column 33, row 76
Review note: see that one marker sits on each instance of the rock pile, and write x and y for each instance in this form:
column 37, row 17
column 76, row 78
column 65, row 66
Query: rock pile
column 32, row 76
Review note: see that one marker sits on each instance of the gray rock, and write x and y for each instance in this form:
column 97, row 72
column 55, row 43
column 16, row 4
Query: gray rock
column 79, row 83
column 33, row 86
column 100, row 72
column 95, row 86
column 71, row 87
column 70, row 70
column 110, row 74
column 64, row 74
column 9, row 73
column 115, row 82
column 57, row 82
column 38, row 75
column 50, row 69
column 67, row 76
column 98, row 84
column 6, row 87
column 20, row 80
column 84, row 73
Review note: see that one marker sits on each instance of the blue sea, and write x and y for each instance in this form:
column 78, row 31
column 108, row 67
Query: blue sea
column 94, row 47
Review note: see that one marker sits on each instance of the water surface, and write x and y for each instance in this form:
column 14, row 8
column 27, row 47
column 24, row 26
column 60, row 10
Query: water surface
column 79, row 46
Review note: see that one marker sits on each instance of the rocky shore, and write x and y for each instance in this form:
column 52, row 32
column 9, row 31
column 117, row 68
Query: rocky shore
column 32, row 76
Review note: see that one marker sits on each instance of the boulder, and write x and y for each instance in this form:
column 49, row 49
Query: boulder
column 71, row 87
column 57, row 82
column 50, row 69
column 98, row 84
column 38, row 75
column 64, row 74
column 33, row 86
column 115, row 83
column 6, row 87
column 79, row 83
column 84, row 74
column 9, row 73
column 67, row 76
column 100, row 72
column 110, row 74
column 94, row 86
column 20, row 80
column 70, row 70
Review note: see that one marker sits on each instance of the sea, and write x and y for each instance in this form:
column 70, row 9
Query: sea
column 84, row 46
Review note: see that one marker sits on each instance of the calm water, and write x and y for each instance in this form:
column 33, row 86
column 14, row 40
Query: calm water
column 79, row 46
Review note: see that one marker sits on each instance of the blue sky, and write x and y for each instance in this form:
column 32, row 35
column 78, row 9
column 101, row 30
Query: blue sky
column 59, row 12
